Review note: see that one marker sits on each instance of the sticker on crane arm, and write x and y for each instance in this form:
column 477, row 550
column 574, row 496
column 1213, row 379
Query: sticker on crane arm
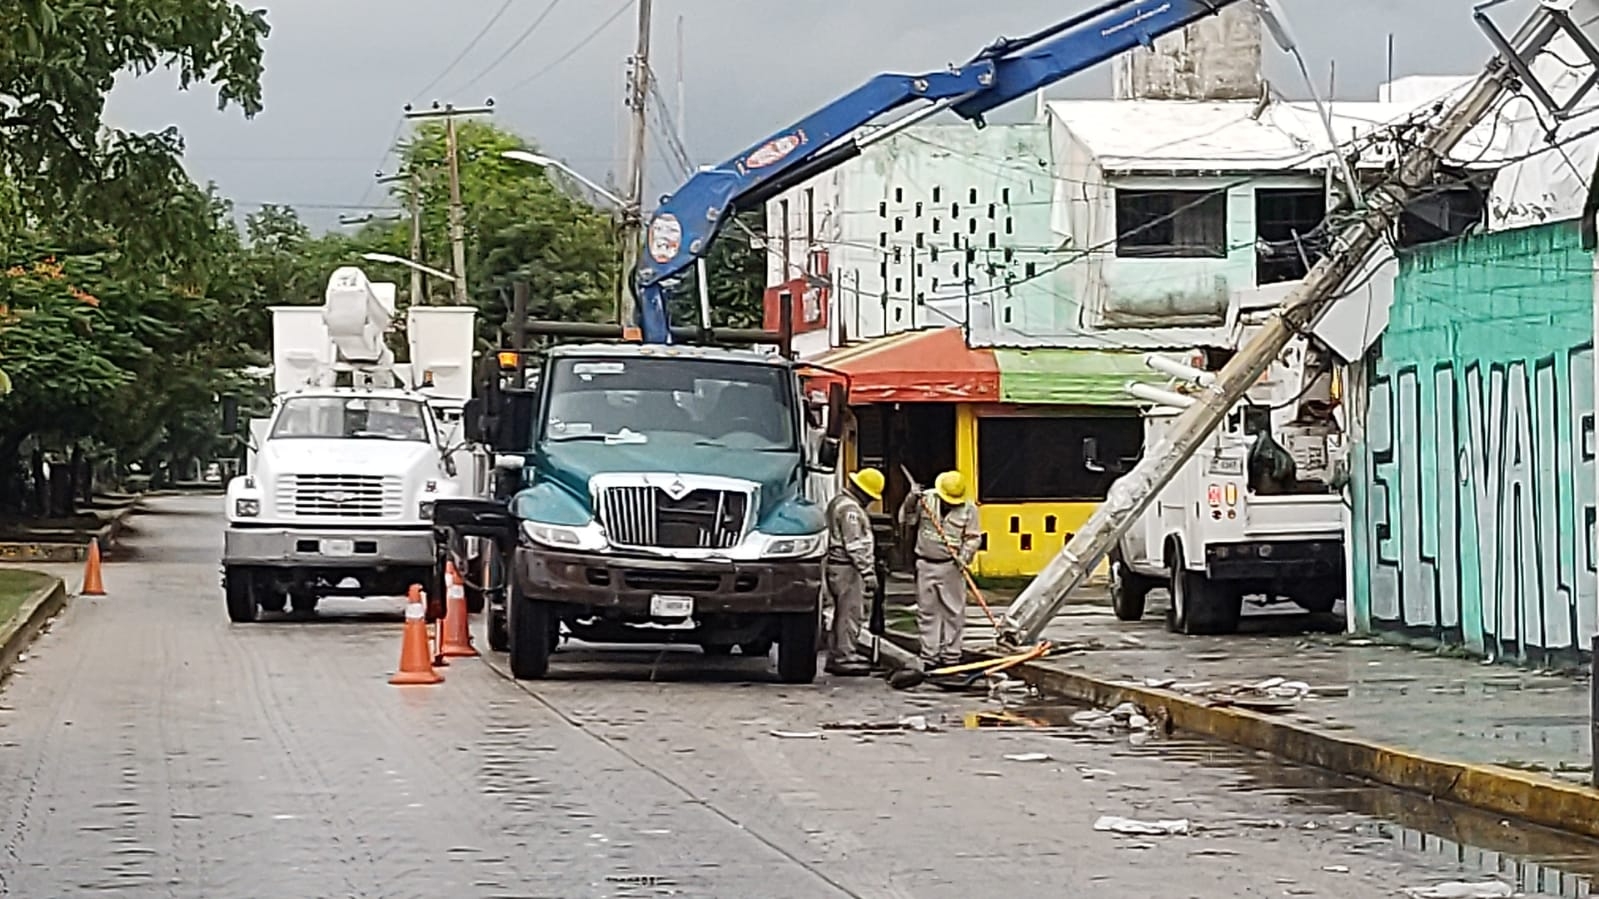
column 773, row 151
column 666, row 238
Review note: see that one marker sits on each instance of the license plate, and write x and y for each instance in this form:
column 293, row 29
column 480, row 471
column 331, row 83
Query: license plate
column 338, row 547
column 671, row 606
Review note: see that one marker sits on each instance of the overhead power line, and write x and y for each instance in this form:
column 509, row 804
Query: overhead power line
column 520, row 40
column 575, row 48
column 472, row 44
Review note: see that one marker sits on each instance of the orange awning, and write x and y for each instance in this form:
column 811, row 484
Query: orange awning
column 930, row 366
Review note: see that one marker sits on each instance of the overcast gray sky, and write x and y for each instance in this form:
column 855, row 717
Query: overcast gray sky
column 338, row 73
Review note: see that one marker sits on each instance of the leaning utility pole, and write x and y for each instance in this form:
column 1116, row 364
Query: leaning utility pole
column 633, row 215
column 1028, row 615
column 457, row 215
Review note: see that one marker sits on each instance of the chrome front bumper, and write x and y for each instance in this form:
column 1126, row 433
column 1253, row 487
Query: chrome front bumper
column 330, row 548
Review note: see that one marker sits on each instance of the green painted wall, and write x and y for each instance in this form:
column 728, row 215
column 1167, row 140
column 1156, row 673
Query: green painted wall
column 1474, row 483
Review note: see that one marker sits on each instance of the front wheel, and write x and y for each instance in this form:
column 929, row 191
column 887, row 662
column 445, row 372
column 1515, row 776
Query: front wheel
column 798, row 640
column 1129, row 591
column 531, row 625
column 240, row 587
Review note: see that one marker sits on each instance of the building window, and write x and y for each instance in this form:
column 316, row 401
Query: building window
column 1043, row 459
column 1171, row 223
column 1287, row 225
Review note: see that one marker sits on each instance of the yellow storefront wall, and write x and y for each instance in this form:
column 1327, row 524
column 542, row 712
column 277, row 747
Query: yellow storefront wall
column 1022, row 537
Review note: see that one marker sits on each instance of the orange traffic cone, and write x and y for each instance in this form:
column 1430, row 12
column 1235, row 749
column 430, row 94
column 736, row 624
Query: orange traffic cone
column 91, row 572
column 457, row 624
column 415, row 664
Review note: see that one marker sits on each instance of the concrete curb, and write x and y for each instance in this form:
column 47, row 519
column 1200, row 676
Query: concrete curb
column 1502, row 791
column 18, row 633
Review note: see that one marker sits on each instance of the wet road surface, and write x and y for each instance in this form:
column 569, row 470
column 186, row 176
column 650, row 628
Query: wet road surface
column 150, row 748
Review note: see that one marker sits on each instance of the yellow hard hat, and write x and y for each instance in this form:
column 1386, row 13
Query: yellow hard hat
column 870, row 480
column 951, row 487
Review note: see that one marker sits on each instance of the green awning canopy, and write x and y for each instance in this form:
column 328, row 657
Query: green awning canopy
column 1071, row 376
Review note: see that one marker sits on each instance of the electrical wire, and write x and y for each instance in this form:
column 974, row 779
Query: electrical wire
column 515, row 44
column 470, row 45
column 574, row 49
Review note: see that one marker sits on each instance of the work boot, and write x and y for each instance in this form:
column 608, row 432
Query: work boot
column 849, row 669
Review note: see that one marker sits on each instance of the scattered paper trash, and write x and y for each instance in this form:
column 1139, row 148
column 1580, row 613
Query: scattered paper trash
column 1134, row 827
column 1335, row 869
column 1459, row 889
column 1028, row 757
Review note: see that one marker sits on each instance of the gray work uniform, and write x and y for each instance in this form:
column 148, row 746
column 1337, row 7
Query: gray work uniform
column 940, row 582
column 851, row 562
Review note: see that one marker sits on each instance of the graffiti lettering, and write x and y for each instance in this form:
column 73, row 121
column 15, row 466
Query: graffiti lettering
column 1479, row 509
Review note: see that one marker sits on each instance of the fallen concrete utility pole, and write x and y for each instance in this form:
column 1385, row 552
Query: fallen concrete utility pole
column 1025, row 620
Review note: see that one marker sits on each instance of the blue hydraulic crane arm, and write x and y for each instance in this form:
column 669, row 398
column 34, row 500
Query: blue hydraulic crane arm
column 683, row 227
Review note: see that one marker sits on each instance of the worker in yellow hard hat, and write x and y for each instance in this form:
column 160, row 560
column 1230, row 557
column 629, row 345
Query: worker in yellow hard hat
column 851, row 564
column 948, row 536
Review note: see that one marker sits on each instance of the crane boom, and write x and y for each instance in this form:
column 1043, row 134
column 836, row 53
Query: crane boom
column 1028, row 615
column 683, row 227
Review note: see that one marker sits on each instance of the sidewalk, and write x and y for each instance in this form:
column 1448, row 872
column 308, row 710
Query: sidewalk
column 1512, row 741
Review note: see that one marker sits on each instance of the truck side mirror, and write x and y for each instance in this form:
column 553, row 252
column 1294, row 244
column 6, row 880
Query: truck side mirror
column 513, row 427
column 837, row 403
column 472, row 421
column 1091, row 455
column 827, row 455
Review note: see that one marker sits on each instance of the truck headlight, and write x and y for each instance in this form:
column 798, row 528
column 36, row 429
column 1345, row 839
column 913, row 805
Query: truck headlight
column 424, row 511
column 587, row 537
column 246, row 508
column 801, row 547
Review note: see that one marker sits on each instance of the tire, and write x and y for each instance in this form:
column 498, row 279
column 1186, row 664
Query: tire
column 531, row 624
column 499, row 631
column 1200, row 606
column 240, row 589
column 756, row 648
column 1128, row 590
column 273, row 602
column 798, row 642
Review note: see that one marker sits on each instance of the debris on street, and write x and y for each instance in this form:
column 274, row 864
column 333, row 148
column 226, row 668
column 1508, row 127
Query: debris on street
column 1126, row 717
column 798, row 735
column 1457, row 889
column 917, row 723
column 1134, row 827
column 1028, row 757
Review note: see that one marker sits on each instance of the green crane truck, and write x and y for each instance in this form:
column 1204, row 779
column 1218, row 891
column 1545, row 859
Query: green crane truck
column 654, row 494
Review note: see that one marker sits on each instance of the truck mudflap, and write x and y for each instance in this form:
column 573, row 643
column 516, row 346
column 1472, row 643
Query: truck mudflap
column 635, row 585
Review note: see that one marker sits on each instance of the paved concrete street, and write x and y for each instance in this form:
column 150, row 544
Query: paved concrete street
column 150, row 748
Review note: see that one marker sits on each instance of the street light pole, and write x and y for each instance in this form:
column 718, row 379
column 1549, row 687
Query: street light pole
column 413, row 266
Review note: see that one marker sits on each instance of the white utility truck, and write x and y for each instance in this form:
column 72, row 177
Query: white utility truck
column 1258, row 510
column 338, row 495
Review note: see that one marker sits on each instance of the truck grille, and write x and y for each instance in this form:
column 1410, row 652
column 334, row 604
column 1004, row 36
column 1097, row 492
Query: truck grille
column 647, row 516
column 341, row 496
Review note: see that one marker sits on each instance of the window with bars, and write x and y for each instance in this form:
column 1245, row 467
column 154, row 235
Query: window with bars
column 1171, row 223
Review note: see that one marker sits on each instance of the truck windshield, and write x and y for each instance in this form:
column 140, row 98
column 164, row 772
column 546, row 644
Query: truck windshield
column 732, row 404
column 350, row 417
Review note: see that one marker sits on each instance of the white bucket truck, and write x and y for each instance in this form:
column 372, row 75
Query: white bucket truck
column 1257, row 510
column 338, row 495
